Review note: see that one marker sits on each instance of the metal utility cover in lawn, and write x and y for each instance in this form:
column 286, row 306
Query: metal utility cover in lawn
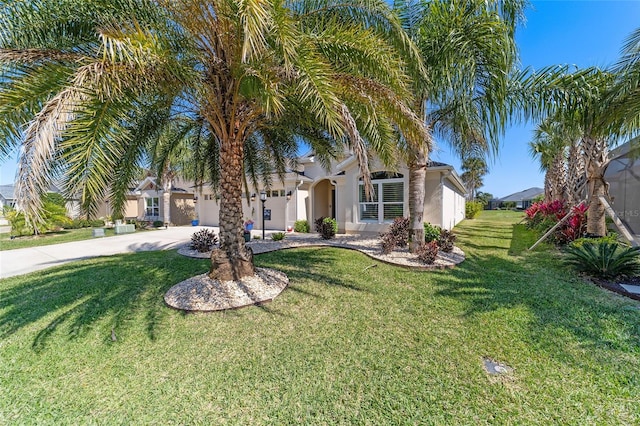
column 494, row 367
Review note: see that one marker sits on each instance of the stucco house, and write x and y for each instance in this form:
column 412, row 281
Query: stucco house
column 311, row 192
column 7, row 196
column 8, row 199
column 145, row 202
column 523, row 199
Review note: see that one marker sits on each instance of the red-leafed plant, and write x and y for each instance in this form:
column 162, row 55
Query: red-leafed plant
column 428, row 252
column 542, row 216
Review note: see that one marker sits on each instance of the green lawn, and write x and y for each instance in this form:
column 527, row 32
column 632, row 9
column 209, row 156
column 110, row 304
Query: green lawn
column 344, row 344
column 56, row 237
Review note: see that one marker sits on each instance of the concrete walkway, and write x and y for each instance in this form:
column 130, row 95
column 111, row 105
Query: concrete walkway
column 22, row 261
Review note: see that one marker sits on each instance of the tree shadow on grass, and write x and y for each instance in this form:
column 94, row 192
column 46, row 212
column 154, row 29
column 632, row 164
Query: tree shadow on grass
column 114, row 290
column 559, row 302
column 79, row 295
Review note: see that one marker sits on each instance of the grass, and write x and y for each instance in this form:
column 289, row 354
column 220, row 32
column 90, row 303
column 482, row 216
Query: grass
column 54, row 237
column 342, row 345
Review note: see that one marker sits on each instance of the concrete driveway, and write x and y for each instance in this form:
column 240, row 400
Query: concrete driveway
column 22, row 261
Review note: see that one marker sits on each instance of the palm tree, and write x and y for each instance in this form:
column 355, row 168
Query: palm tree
column 592, row 121
column 96, row 82
column 469, row 50
column 474, row 168
column 550, row 145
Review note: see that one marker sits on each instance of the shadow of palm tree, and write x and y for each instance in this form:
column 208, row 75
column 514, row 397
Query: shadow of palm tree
column 109, row 288
column 559, row 302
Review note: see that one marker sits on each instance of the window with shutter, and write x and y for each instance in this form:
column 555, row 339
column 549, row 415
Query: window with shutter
column 387, row 201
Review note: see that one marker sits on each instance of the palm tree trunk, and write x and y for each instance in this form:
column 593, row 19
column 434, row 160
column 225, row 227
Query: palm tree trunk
column 233, row 260
column 548, row 192
column 596, row 152
column 575, row 175
column 558, row 177
column 417, row 175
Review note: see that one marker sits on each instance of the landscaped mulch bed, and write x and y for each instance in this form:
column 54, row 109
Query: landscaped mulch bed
column 616, row 286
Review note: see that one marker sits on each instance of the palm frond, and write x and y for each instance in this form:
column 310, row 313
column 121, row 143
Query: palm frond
column 39, row 150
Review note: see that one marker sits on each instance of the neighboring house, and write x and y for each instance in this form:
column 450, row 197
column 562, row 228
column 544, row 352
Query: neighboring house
column 145, row 201
column 313, row 192
column 7, row 197
column 623, row 177
column 523, row 199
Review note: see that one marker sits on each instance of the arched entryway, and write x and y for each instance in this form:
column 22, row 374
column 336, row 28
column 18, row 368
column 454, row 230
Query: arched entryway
column 324, row 200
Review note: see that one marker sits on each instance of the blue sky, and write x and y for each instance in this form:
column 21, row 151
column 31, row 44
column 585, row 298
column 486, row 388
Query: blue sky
column 582, row 33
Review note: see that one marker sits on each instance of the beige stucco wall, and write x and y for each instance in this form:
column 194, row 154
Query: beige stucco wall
column 130, row 209
column 452, row 206
column 433, row 199
column 283, row 213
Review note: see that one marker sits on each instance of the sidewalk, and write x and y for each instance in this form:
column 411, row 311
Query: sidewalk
column 22, row 261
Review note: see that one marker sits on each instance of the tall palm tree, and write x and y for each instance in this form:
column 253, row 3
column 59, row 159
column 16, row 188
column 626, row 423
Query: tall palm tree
column 550, row 146
column 590, row 118
column 473, row 170
column 469, row 50
column 96, row 81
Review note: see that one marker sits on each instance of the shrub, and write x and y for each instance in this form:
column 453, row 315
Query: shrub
column 301, row 226
column 604, row 259
column 158, row 224
column 96, row 223
column 387, row 242
column 76, row 224
column 431, row 232
column 542, row 216
column 610, row 238
column 396, row 236
column 18, row 224
column 327, row 227
column 427, row 252
column 472, row 209
column 203, row 240
column 54, row 217
column 278, row 236
column 446, row 240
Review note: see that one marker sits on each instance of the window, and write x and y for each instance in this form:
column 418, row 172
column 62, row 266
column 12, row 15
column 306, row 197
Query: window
column 387, row 201
column 152, row 207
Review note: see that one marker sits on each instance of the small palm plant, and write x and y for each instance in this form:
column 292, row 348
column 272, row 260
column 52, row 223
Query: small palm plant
column 604, row 259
